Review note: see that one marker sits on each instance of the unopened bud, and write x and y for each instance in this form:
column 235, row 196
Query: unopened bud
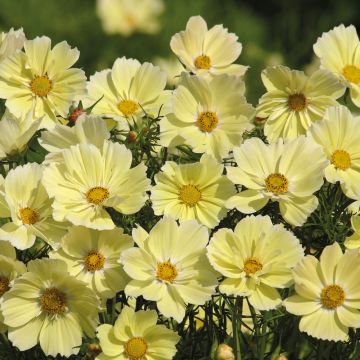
column 131, row 136
column 225, row 352
column 259, row 120
column 75, row 114
column 282, row 357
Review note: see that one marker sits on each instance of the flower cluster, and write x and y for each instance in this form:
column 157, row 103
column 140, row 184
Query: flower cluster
column 126, row 206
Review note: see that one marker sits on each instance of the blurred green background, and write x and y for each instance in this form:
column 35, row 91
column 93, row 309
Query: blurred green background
column 273, row 31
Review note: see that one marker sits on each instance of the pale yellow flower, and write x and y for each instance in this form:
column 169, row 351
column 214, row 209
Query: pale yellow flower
column 25, row 200
column 327, row 294
column 192, row 191
column 48, row 306
column 88, row 129
column 128, row 90
column 206, row 51
column 288, row 173
column 173, row 68
column 339, row 52
column 294, row 101
column 88, row 179
column 10, row 269
column 16, row 133
column 256, row 259
column 128, row 16
column 210, row 116
column 41, row 80
column 169, row 266
column 10, row 42
column 353, row 241
column 339, row 137
column 135, row 336
column 94, row 259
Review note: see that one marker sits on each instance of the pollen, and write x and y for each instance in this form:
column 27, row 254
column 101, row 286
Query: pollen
column 297, row 102
column 28, row 216
column 97, row 195
column 252, row 265
column 341, row 159
column 136, row 348
column 332, row 296
column 53, row 301
column 190, row 195
column 203, row 62
column 276, row 183
column 128, row 107
column 4, row 285
column 352, row 73
column 94, row 261
column 41, row 85
column 166, row 271
column 207, row 121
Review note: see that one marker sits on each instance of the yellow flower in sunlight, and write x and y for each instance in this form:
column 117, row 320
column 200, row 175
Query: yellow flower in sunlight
column 353, row 241
column 25, row 200
column 89, row 179
column 128, row 16
column 10, row 42
column 339, row 137
column 88, row 129
column 294, row 101
column 207, row 52
column 255, row 258
column 338, row 50
column 136, row 336
column 210, row 116
column 128, row 90
column 41, row 80
column 48, row 306
column 172, row 67
column 192, row 191
column 94, row 259
column 327, row 294
column 170, row 267
column 288, row 173
column 16, row 133
column 10, row 269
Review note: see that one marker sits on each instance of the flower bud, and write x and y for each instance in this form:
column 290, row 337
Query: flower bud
column 224, row 352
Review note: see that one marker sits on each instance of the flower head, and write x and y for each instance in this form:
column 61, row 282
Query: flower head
column 94, row 260
column 255, row 258
column 41, row 80
column 45, row 301
column 88, row 179
column 288, row 173
column 294, row 101
column 207, row 52
column 327, row 294
column 192, row 191
column 338, row 51
column 170, row 266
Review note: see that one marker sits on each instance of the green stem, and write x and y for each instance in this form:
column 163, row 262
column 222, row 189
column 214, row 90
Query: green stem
column 235, row 313
column 263, row 339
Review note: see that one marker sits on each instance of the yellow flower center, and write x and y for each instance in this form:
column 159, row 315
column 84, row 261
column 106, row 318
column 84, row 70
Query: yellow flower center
column 97, row 195
column 53, row 301
column 128, row 107
column 203, row 62
column 94, row 261
column 136, row 348
column 190, row 195
column 252, row 265
column 341, row 159
column 41, row 85
column 207, row 121
column 28, row 216
column 332, row 296
column 277, row 183
column 4, row 285
column 166, row 271
column 352, row 73
column 297, row 102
